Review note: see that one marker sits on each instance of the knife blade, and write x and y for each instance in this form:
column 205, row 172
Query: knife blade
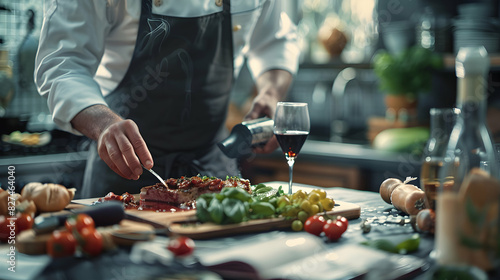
column 104, row 214
column 156, row 175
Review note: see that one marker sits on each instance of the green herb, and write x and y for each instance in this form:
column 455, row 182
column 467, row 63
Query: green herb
column 261, row 210
column 409, row 245
column 236, row 193
column 216, row 212
column 235, row 205
column 234, row 210
column 406, row 73
column 406, row 246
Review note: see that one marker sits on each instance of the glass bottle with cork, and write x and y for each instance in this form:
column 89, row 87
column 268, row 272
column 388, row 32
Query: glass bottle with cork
column 467, row 217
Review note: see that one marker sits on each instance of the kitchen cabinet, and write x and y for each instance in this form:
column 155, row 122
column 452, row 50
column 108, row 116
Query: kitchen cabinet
column 305, row 172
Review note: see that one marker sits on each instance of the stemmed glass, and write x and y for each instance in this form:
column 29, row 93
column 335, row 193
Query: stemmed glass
column 291, row 127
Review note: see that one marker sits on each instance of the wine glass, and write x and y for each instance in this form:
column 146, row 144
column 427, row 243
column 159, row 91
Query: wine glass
column 291, row 127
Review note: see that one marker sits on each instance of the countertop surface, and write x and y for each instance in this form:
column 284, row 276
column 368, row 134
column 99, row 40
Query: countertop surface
column 120, row 264
column 147, row 260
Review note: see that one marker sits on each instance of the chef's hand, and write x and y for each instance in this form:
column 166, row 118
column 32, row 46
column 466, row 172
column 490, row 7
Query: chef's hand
column 272, row 87
column 122, row 148
column 119, row 142
column 264, row 105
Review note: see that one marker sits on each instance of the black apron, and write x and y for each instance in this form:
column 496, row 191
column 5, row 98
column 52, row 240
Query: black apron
column 177, row 90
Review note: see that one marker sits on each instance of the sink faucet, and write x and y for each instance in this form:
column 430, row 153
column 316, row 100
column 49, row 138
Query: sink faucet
column 338, row 124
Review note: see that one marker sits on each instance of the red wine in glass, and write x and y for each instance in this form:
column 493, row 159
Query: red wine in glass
column 291, row 127
column 291, row 142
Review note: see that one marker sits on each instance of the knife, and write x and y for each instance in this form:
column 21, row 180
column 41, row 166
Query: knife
column 104, row 214
column 156, row 175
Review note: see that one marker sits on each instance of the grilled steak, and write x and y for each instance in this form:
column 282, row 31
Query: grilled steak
column 184, row 191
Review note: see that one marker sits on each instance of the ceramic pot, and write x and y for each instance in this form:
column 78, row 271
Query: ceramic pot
column 402, row 107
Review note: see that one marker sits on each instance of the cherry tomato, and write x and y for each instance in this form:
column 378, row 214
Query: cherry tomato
column 24, row 222
column 344, row 222
column 181, row 246
column 91, row 241
column 314, row 224
column 8, row 229
column 79, row 222
column 61, row 244
column 333, row 230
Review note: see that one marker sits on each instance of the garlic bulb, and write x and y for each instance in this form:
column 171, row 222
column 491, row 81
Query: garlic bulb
column 48, row 197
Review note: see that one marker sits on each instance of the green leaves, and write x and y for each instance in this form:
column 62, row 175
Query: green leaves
column 262, row 210
column 236, row 193
column 406, row 246
column 408, row 72
column 234, row 210
column 216, row 212
column 235, row 205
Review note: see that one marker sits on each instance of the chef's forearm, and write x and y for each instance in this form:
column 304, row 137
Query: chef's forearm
column 93, row 120
column 274, row 82
column 272, row 86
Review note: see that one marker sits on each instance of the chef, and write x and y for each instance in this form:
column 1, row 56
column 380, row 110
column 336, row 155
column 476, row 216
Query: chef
column 151, row 79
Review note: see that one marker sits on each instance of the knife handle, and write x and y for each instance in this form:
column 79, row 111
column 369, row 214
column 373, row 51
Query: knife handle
column 104, row 214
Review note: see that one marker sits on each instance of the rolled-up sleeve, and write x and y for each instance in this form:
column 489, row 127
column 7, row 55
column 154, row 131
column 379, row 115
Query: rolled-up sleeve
column 274, row 43
column 70, row 50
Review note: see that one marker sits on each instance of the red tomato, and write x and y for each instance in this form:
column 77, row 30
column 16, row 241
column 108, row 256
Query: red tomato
column 24, row 222
column 344, row 222
column 91, row 241
column 181, row 246
column 8, row 229
column 314, row 224
column 79, row 222
column 333, row 230
column 61, row 244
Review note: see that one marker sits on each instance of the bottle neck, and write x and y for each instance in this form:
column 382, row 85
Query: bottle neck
column 472, row 98
column 442, row 122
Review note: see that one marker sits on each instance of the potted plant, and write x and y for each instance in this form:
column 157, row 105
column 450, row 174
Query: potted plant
column 405, row 75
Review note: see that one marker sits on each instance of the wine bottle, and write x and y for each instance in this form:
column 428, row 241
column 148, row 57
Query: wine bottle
column 467, row 204
column 246, row 135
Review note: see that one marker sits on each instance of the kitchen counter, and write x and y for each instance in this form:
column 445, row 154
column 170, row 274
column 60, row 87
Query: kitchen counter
column 61, row 161
column 362, row 156
column 148, row 261
column 61, row 168
column 334, row 164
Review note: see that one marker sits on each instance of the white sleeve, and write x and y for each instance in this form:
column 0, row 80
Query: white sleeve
column 70, row 50
column 274, row 42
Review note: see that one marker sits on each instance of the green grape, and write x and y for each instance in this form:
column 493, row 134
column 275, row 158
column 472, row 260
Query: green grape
column 297, row 225
column 302, row 216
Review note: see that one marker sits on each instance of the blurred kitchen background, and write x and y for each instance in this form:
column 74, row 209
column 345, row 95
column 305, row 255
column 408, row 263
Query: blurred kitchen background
column 339, row 40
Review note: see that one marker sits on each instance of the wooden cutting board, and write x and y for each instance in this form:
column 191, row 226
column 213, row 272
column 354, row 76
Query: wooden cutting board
column 184, row 222
column 124, row 234
column 158, row 219
column 210, row 230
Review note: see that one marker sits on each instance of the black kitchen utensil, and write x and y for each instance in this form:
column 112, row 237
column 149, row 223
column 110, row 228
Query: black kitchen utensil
column 104, row 214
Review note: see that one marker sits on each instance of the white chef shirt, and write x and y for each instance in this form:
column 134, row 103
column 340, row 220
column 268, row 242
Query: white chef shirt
column 86, row 45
